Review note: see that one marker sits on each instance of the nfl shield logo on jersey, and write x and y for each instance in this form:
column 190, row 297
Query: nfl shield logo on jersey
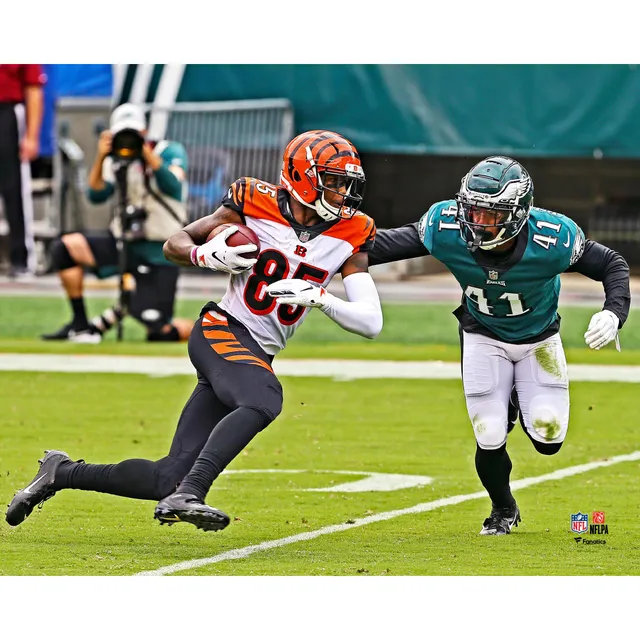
column 579, row 522
column 304, row 236
column 493, row 275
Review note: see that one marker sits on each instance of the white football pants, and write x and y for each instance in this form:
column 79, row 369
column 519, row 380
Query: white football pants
column 490, row 369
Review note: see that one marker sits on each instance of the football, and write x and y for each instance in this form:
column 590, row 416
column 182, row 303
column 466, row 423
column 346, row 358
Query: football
column 243, row 235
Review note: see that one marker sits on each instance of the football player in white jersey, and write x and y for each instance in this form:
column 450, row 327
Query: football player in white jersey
column 309, row 229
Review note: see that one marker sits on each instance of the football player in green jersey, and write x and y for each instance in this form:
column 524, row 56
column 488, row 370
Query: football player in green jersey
column 507, row 256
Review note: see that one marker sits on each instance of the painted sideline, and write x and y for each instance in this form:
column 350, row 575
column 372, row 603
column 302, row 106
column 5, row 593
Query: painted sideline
column 244, row 552
column 337, row 369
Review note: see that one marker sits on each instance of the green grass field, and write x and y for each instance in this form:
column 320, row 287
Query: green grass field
column 411, row 332
column 385, row 426
column 410, row 427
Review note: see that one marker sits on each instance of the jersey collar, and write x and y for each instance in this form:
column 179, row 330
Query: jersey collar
column 303, row 233
column 500, row 262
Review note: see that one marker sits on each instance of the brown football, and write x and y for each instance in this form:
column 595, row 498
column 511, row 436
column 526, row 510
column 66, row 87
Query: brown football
column 243, row 235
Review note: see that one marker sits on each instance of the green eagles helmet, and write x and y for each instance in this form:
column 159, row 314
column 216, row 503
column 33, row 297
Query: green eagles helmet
column 499, row 185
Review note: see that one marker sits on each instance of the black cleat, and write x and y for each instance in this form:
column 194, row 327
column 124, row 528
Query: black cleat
column 38, row 490
column 501, row 521
column 60, row 334
column 86, row 333
column 185, row 507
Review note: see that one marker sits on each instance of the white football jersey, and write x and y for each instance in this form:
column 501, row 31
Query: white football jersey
column 287, row 250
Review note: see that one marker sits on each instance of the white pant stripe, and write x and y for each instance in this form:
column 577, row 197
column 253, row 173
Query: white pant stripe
column 27, row 197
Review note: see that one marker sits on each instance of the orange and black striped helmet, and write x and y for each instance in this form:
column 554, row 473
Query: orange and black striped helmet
column 318, row 163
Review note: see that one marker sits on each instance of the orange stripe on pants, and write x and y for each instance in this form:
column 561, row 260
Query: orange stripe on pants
column 217, row 334
column 250, row 360
column 224, row 342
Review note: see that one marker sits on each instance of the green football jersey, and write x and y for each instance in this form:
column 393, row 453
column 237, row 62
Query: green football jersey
column 517, row 298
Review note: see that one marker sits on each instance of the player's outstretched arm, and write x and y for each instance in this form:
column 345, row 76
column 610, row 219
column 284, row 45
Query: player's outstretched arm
column 401, row 243
column 609, row 267
column 360, row 314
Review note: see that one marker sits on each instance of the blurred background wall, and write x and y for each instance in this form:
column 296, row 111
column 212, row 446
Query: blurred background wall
column 419, row 128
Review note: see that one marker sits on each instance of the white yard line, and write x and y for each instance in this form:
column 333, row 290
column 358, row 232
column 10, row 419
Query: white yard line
column 244, row 552
column 338, row 369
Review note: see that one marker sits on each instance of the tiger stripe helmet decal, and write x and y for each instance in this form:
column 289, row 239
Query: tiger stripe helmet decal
column 313, row 163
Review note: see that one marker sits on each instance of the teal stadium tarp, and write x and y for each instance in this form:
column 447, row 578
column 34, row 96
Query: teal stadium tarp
column 525, row 110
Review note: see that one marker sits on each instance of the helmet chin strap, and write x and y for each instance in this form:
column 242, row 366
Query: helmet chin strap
column 475, row 243
column 326, row 211
column 477, row 239
column 496, row 242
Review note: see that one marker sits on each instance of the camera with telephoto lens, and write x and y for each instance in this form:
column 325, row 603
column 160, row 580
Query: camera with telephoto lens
column 134, row 220
column 126, row 146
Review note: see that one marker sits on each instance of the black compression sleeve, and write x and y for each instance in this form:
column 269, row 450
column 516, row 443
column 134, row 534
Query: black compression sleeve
column 609, row 267
column 397, row 244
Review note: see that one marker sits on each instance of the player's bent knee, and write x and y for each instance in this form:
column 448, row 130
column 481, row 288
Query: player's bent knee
column 489, row 422
column 78, row 248
column 547, row 448
column 492, row 435
column 171, row 335
column 548, row 420
column 270, row 411
column 183, row 327
column 269, row 406
column 60, row 257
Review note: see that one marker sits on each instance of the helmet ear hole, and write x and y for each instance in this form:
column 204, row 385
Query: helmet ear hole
column 296, row 176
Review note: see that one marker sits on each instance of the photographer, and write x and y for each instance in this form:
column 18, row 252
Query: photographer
column 153, row 187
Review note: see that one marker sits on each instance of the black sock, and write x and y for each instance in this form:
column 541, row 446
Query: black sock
column 79, row 312
column 131, row 478
column 229, row 437
column 494, row 469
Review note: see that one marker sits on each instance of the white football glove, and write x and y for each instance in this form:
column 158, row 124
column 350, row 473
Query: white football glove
column 219, row 256
column 294, row 291
column 603, row 328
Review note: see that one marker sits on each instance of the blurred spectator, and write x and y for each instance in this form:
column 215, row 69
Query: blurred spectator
column 50, row 98
column 21, row 108
column 209, row 179
column 156, row 187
